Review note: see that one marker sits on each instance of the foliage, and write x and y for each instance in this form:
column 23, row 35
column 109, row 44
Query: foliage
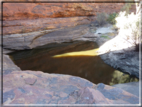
column 104, row 36
column 103, row 18
column 111, row 18
column 129, row 25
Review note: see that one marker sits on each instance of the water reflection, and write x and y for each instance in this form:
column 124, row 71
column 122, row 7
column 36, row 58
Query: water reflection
column 92, row 52
column 90, row 67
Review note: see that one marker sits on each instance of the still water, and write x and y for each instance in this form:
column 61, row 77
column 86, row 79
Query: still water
column 91, row 68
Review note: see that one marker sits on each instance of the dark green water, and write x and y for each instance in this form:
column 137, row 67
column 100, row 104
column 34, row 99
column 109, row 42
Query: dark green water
column 91, row 68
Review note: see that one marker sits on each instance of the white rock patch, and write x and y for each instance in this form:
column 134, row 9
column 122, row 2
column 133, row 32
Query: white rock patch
column 104, row 30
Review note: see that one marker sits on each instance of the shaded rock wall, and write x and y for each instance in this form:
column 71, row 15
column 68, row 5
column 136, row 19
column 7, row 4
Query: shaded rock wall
column 42, row 18
column 19, row 11
column 31, row 25
column 39, row 38
column 28, row 17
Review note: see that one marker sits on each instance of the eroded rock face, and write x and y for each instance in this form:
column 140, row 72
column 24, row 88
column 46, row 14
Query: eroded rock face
column 39, row 19
column 16, row 11
column 36, row 87
column 41, row 24
column 39, row 38
column 29, row 17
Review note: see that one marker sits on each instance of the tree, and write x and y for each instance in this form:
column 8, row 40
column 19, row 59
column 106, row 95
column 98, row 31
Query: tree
column 130, row 24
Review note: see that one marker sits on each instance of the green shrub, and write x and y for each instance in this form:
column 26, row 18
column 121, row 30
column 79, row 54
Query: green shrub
column 111, row 18
column 104, row 36
column 101, row 18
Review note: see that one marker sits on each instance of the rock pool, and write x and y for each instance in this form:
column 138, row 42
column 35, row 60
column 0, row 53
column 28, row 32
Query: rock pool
column 89, row 67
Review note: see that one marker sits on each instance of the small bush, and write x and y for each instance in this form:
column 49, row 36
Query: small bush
column 111, row 18
column 101, row 18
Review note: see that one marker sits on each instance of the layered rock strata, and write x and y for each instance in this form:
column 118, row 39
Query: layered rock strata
column 38, row 19
column 39, row 38
column 17, row 11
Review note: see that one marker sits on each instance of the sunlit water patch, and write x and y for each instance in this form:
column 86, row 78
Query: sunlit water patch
column 76, row 58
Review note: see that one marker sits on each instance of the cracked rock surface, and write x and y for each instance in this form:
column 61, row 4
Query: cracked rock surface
column 40, row 38
column 36, row 87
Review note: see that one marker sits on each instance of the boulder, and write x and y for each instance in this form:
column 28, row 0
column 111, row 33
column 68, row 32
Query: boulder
column 8, row 65
column 36, row 87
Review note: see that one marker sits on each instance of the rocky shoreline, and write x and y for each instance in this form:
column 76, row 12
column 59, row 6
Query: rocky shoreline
column 39, row 24
column 30, row 87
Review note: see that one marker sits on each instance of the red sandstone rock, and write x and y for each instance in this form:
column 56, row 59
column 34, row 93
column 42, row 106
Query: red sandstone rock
column 29, row 17
column 23, row 26
column 59, row 89
column 34, row 39
column 19, row 11
column 8, row 65
column 30, row 80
